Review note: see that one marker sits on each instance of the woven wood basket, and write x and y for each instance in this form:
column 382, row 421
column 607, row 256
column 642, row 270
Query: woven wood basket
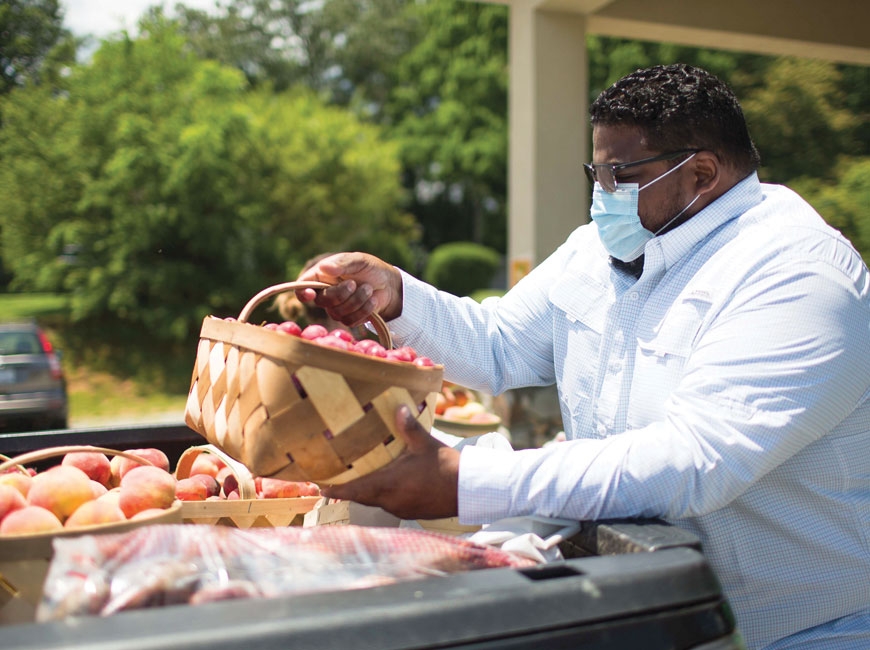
column 245, row 512
column 24, row 559
column 292, row 409
column 332, row 512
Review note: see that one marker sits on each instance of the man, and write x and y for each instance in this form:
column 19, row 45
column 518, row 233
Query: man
column 709, row 338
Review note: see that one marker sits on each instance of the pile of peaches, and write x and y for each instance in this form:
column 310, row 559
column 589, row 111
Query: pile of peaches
column 458, row 404
column 87, row 488
column 341, row 339
column 212, row 480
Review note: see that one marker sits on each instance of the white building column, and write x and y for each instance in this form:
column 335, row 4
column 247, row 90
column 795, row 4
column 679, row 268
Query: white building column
column 548, row 132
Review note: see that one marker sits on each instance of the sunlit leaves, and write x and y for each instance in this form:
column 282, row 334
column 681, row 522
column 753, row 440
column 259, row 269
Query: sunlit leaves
column 161, row 188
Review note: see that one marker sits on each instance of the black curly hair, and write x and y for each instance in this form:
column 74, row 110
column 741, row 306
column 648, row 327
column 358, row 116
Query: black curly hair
column 677, row 107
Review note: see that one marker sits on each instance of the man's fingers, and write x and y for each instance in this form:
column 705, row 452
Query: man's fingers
column 410, row 429
column 337, row 492
column 347, row 301
column 306, row 295
column 420, row 482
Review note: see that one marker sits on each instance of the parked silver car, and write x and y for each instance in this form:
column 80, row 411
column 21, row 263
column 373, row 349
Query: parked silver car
column 33, row 391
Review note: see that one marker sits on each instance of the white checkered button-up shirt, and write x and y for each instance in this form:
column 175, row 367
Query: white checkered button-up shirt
column 726, row 391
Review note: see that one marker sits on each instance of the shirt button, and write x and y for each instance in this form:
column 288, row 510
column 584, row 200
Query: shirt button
column 602, row 430
column 632, row 296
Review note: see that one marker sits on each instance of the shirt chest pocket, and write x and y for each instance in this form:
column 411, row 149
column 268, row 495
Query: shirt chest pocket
column 579, row 321
column 582, row 301
column 663, row 350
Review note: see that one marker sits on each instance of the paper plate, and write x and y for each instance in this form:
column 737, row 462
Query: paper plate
column 465, row 429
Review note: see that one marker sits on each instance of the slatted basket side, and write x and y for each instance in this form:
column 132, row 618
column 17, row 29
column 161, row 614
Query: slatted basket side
column 292, row 409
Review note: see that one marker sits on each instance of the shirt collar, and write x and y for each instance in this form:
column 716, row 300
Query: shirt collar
column 675, row 244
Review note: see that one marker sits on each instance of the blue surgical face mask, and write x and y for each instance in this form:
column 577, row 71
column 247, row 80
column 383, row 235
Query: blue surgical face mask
column 619, row 226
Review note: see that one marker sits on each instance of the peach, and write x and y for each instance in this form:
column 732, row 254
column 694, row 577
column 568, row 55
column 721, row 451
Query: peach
column 463, row 412
column 19, row 480
column 60, row 490
column 223, row 473
column 206, row 464
column 155, row 456
column 483, row 418
column 30, row 519
column 212, row 487
column 121, row 465
column 93, row 463
column 148, row 513
column 309, row 489
column 95, row 512
column 190, row 489
column 456, row 413
column 10, row 500
column 275, row 488
column 230, row 484
column 146, row 487
column 440, row 403
column 112, row 496
column 98, row 488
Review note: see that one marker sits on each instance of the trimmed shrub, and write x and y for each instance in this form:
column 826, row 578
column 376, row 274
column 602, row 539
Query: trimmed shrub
column 461, row 268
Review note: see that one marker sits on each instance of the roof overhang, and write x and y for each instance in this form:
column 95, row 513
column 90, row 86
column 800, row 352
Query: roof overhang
column 834, row 30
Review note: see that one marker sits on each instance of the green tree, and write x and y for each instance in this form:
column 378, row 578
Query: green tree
column 159, row 189
column 343, row 49
column 856, row 86
column 799, row 119
column 34, row 48
column 613, row 58
column 29, row 30
column 842, row 200
column 448, row 109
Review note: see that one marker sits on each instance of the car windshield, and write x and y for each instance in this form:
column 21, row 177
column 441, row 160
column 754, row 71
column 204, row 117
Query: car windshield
column 19, row 343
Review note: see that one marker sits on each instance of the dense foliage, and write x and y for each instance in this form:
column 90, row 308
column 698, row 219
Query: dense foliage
column 156, row 188
column 462, row 267
column 31, row 32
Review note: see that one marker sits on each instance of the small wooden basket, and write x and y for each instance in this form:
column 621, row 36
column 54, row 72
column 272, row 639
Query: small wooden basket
column 332, row 512
column 245, row 512
column 291, row 409
column 24, row 559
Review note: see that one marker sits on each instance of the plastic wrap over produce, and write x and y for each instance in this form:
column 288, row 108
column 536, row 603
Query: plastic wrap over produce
column 191, row 564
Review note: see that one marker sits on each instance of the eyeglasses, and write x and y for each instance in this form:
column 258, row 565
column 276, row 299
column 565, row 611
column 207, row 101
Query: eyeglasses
column 605, row 173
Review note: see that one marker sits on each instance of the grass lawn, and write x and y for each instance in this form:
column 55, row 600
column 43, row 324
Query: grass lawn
column 24, row 306
column 97, row 398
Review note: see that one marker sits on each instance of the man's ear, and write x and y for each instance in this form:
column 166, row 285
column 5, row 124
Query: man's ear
column 708, row 172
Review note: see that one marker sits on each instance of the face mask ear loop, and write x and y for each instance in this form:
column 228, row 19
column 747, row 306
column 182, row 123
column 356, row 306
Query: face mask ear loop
column 679, row 214
column 672, row 169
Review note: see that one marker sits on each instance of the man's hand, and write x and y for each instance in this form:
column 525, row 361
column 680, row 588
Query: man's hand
column 422, row 483
column 362, row 284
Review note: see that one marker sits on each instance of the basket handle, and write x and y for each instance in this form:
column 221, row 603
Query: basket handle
column 43, row 454
column 247, row 488
column 375, row 319
column 12, row 463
